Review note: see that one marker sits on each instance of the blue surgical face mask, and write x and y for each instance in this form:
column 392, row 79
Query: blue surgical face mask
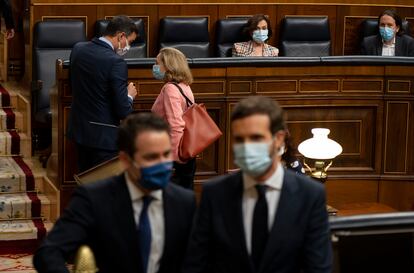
column 387, row 33
column 156, row 72
column 260, row 35
column 253, row 158
column 157, row 176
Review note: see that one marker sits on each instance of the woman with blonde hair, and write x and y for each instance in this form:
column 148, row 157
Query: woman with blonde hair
column 172, row 67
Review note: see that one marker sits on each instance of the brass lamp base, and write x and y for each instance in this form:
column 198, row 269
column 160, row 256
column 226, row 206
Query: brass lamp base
column 319, row 171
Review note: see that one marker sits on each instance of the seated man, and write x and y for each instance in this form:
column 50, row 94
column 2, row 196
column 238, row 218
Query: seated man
column 134, row 222
column 391, row 40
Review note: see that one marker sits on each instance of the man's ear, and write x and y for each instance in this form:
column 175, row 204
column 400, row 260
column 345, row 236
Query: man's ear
column 125, row 159
column 279, row 139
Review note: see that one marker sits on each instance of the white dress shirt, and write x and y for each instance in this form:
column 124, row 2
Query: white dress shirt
column 274, row 186
column 156, row 218
column 103, row 39
column 388, row 50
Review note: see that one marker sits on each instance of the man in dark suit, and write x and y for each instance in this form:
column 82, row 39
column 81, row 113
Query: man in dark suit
column 7, row 12
column 264, row 219
column 391, row 40
column 101, row 95
column 136, row 222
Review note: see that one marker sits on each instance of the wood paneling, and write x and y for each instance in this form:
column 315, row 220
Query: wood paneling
column 397, row 194
column 374, row 141
column 341, row 192
column 396, row 137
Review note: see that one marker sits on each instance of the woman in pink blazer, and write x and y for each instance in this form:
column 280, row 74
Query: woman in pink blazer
column 172, row 67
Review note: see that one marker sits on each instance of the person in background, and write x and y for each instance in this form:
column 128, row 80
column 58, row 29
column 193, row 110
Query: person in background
column 172, row 67
column 391, row 40
column 259, row 29
column 289, row 158
column 101, row 93
column 7, row 12
column 264, row 218
column 136, row 222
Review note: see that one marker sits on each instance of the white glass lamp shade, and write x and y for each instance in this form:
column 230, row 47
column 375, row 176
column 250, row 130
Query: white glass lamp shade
column 320, row 146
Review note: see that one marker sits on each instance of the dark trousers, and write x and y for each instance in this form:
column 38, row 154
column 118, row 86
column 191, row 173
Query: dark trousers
column 89, row 157
column 184, row 174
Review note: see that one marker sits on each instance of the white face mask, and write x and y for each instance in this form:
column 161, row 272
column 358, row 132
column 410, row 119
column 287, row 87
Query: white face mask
column 253, row 158
column 122, row 51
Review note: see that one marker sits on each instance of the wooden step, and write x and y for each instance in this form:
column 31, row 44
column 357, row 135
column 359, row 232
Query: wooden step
column 18, row 206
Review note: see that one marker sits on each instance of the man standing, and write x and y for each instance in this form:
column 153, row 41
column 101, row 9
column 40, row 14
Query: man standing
column 101, row 95
column 136, row 222
column 264, row 218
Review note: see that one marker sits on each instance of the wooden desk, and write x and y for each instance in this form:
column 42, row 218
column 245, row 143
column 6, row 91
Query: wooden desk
column 368, row 107
column 363, row 208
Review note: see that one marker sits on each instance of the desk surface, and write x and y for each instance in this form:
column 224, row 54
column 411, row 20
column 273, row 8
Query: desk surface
column 363, row 208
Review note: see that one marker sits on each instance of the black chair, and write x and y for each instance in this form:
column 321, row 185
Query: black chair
column 138, row 47
column 51, row 40
column 305, row 37
column 369, row 27
column 228, row 32
column 187, row 34
column 379, row 243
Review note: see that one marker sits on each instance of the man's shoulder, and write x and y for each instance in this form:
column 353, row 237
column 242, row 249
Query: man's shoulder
column 223, row 183
column 178, row 193
column 103, row 186
column 303, row 182
column 406, row 38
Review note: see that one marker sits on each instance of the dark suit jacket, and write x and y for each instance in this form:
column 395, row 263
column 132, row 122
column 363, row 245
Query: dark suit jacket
column 299, row 239
column 372, row 45
column 100, row 96
column 101, row 215
column 7, row 12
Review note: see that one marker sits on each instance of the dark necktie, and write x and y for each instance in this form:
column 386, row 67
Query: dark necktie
column 144, row 233
column 260, row 227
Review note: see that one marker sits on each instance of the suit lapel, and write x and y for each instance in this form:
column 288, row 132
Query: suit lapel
column 170, row 227
column 233, row 215
column 379, row 46
column 124, row 214
column 281, row 223
column 398, row 46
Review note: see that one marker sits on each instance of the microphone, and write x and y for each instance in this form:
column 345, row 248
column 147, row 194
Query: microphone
column 85, row 260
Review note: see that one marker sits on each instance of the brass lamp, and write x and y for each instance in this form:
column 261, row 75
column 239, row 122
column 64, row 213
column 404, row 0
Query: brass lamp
column 322, row 150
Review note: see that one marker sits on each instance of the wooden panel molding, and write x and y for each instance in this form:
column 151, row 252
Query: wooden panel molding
column 396, row 137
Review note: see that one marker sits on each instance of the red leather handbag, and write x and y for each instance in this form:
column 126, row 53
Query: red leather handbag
column 200, row 130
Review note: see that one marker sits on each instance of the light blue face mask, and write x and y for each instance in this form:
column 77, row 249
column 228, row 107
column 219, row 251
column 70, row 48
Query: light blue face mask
column 253, row 158
column 156, row 72
column 260, row 35
column 387, row 33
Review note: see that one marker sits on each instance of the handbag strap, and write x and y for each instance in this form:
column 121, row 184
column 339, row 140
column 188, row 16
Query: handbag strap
column 188, row 101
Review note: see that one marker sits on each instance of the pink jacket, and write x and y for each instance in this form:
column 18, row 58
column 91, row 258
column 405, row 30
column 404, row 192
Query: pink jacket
column 171, row 105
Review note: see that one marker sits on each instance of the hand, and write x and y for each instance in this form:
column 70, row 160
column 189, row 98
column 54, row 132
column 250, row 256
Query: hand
column 132, row 91
column 9, row 33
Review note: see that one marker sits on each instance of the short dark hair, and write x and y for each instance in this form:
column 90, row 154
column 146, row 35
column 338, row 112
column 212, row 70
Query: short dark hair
column 135, row 124
column 260, row 105
column 120, row 23
column 398, row 21
column 252, row 23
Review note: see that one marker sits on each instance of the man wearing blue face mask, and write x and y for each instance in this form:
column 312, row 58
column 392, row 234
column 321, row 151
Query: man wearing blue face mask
column 259, row 29
column 136, row 222
column 391, row 40
column 263, row 218
column 101, row 93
